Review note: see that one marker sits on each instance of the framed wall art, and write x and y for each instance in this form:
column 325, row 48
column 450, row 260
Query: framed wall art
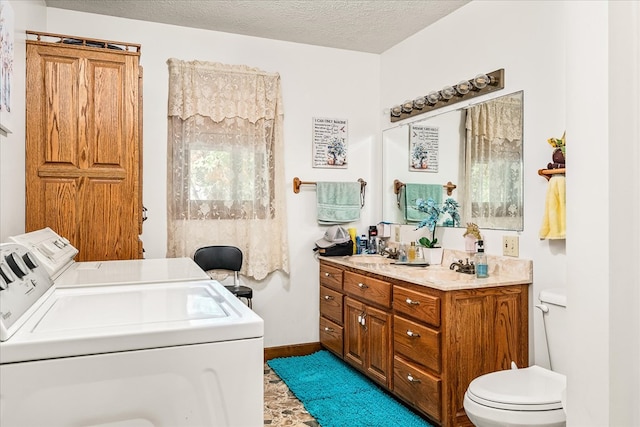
column 423, row 148
column 6, row 64
column 330, row 137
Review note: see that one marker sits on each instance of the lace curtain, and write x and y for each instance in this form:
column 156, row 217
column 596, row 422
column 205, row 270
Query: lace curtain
column 494, row 163
column 225, row 183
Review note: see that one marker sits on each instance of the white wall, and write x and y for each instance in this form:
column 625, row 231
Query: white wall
column 28, row 15
column 316, row 82
column 481, row 37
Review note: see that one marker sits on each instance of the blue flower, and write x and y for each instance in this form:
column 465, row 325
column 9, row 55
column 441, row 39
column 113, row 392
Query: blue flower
column 433, row 211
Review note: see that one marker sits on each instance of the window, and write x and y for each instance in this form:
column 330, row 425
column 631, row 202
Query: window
column 224, row 162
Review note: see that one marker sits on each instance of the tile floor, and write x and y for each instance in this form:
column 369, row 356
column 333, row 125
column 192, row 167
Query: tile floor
column 281, row 407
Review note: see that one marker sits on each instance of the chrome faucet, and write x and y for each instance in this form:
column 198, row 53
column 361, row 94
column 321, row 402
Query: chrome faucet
column 463, row 267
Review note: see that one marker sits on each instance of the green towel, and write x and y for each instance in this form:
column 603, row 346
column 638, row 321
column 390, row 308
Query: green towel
column 338, row 202
column 413, row 192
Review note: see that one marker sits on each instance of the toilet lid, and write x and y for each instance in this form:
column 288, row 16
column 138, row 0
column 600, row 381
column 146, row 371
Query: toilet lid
column 528, row 389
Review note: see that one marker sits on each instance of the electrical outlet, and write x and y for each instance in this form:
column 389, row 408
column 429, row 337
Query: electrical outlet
column 510, row 246
column 397, row 233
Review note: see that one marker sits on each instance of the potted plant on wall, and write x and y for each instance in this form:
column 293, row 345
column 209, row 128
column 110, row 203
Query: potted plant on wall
column 431, row 251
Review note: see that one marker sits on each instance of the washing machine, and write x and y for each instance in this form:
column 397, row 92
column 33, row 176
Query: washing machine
column 56, row 254
column 172, row 354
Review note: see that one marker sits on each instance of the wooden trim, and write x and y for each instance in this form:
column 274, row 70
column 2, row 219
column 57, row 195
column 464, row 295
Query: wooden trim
column 291, row 350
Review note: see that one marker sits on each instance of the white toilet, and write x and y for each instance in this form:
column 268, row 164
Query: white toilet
column 530, row 396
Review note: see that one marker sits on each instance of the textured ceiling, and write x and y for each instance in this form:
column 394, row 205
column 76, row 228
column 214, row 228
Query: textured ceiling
column 367, row 26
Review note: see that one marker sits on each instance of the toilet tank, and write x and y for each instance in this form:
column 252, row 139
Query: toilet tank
column 553, row 304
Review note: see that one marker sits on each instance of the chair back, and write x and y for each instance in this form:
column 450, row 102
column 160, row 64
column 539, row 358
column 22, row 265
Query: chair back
column 219, row 258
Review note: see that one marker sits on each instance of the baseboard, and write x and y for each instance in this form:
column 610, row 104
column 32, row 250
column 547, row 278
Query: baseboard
column 291, row 350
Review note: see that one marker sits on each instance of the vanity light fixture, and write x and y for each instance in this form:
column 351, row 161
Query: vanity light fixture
column 407, row 106
column 419, row 102
column 396, row 111
column 433, row 97
column 481, row 84
column 463, row 87
column 447, row 92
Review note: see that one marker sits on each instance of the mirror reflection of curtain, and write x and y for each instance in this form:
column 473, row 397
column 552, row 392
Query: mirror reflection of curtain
column 494, row 164
column 225, row 172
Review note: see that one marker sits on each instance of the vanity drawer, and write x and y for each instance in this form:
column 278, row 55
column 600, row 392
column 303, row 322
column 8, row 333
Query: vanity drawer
column 417, row 387
column 331, row 336
column 331, row 304
column 418, row 305
column 367, row 289
column 330, row 277
column 417, row 342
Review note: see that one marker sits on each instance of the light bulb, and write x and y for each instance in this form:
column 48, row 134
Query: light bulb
column 396, row 110
column 433, row 97
column 407, row 106
column 419, row 103
column 481, row 80
column 448, row 92
column 463, row 87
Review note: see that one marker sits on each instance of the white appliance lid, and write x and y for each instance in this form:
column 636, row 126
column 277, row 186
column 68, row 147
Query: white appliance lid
column 94, row 320
column 131, row 272
column 533, row 389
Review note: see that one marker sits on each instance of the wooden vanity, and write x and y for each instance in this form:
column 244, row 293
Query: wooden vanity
column 424, row 333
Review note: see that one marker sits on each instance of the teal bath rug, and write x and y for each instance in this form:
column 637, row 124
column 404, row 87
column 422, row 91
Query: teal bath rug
column 339, row 396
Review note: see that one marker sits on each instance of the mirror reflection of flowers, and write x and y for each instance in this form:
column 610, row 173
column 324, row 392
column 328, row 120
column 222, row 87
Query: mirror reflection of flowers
column 337, row 154
column 419, row 155
column 433, row 211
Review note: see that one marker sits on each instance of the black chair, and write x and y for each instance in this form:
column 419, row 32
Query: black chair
column 224, row 258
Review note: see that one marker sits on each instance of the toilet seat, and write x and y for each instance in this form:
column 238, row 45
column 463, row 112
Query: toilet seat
column 528, row 389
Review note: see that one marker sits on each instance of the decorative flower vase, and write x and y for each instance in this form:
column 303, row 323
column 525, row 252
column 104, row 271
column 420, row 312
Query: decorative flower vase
column 432, row 255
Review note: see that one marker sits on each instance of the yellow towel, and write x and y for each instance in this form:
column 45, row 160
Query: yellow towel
column 554, row 225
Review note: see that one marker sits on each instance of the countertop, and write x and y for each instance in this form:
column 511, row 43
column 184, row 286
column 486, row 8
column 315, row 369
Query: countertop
column 503, row 271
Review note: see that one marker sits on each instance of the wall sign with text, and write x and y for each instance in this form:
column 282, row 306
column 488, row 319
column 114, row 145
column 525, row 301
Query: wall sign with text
column 330, row 138
column 423, row 148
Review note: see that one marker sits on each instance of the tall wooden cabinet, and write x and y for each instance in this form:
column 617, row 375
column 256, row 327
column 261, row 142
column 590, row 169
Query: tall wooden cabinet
column 83, row 144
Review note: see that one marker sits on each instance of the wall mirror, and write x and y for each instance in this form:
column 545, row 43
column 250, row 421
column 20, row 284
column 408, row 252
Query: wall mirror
column 477, row 147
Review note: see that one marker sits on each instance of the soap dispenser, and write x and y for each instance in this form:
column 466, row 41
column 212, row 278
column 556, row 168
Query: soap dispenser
column 480, row 261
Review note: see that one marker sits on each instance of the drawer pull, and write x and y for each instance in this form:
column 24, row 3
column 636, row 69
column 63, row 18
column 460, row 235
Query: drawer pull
column 327, row 274
column 328, row 329
column 413, row 334
column 362, row 286
column 328, row 297
column 412, row 380
column 412, row 302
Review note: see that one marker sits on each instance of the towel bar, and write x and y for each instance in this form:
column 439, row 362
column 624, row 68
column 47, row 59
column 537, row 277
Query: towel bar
column 397, row 185
column 297, row 183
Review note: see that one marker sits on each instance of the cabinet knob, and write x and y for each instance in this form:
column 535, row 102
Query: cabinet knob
column 412, row 302
column 362, row 286
column 328, row 329
column 327, row 274
column 328, row 297
column 412, row 380
column 413, row 334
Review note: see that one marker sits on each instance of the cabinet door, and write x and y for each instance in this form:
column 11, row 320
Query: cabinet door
column 354, row 331
column 378, row 345
column 82, row 148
